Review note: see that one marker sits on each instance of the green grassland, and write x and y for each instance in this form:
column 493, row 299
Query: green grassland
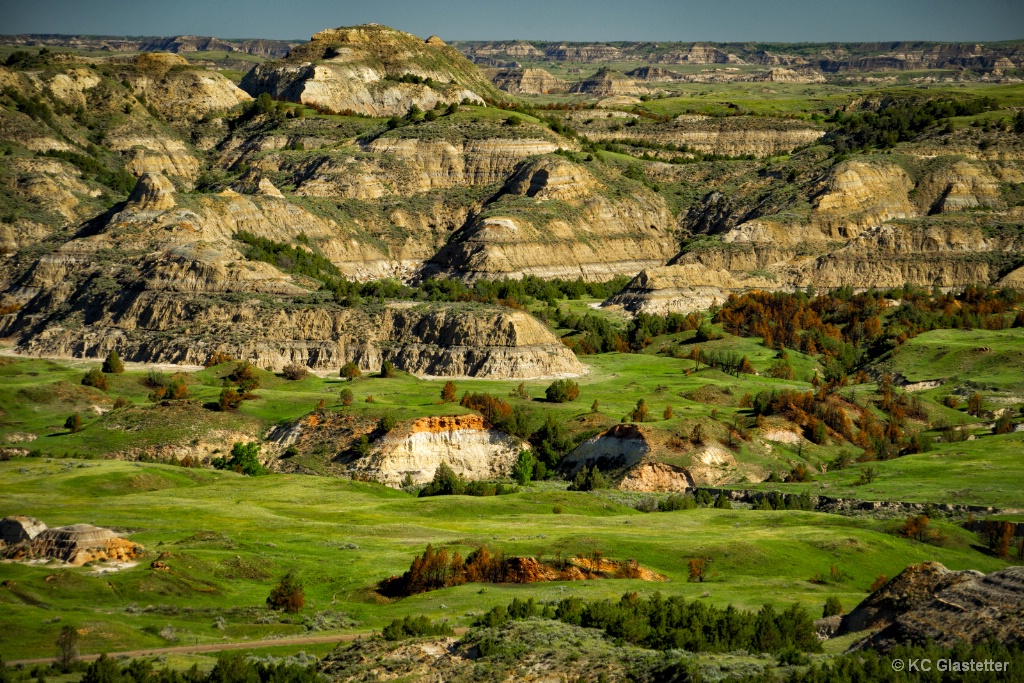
column 986, row 359
column 226, row 538
column 38, row 395
column 986, row 471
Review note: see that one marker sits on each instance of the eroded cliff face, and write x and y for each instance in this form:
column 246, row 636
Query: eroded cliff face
column 444, row 164
column 187, row 328
column 921, row 253
column 606, row 83
column 462, row 442
column 163, row 280
column 554, row 218
column 730, row 136
column 365, row 69
column 528, row 82
column 867, row 222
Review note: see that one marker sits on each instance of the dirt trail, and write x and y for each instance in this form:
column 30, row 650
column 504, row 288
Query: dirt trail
column 216, row 647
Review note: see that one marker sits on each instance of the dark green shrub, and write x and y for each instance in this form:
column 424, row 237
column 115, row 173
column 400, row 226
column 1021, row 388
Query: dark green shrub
column 95, row 378
column 562, row 390
column 113, row 364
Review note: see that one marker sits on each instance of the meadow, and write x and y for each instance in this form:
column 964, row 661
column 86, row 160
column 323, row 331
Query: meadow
column 227, row 538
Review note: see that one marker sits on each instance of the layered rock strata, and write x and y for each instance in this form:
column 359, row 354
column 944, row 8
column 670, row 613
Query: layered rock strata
column 368, row 69
column 462, row 442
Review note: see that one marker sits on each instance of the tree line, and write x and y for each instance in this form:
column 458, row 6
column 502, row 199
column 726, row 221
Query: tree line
column 674, row 623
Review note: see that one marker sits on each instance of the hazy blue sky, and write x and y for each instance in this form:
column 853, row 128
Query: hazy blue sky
column 685, row 20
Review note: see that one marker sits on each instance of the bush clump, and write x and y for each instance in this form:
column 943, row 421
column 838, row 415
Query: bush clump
column 244, row 460
column 415, row 627
column 95, row 378
column 294, row 371
column 287, row 595
column 350, row 371
column 113, row 364
column 562, row 390
column 588, row 480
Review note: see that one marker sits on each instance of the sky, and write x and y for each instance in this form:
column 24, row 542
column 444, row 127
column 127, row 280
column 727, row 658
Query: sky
column 591, row 20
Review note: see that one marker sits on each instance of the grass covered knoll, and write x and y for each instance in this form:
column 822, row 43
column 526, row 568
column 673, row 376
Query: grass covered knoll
column 227, row 539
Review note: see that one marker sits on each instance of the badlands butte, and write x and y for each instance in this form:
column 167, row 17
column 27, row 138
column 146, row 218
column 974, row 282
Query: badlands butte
column 532, row 304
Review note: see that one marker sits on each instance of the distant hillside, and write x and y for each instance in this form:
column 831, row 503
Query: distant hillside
column 259, row 47
column 829, row 57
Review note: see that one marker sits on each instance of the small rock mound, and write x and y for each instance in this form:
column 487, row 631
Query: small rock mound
column 153, row 192
column 679, row 288
column 81, row 543
column 657, row 476
column 435, row 41
column 267, row 188
column 790, row 76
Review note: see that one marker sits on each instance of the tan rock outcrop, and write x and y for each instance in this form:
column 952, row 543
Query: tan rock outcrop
column 782, row 75
column 857, row 194
column 606, row 82
column 360, row 69
column 680, row 288
column 182, row 95
column 442, row 341
column 153, row 192
column 624, row 445
column 460, row 441
column 583, row 233
column 729, row 135
column 893, row 254
column 959, row 186
column 528, row 82
column 442, row 164
column 657, row 476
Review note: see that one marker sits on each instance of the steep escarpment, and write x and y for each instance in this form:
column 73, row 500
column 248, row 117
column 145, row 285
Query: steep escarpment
column 163, row 280
column 528, row 82
column 868, row 222
column 159, row 327
column 555, row 218
column 923, row 252
column 372, row 70
column 462, row 442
